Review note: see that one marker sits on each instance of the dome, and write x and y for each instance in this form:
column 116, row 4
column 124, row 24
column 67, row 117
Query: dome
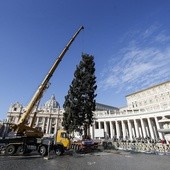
column 52, row 103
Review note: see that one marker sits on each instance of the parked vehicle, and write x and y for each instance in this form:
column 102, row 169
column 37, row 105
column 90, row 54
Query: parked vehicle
column 61, row 143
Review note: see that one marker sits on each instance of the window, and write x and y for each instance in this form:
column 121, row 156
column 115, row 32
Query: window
column 133, row 105
column 64, row 135
column 53, row 120
column 52, row 130
column 40, row 120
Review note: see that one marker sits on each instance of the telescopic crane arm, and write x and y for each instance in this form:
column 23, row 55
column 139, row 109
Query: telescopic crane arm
column 38, row 94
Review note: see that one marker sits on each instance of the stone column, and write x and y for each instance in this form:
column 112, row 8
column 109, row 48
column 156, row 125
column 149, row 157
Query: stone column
column 123, row 129
column 48, row 124
column 130, row 130
column 56, row 126
column 99, row 125
column 143, row 128
column 111, row 129
column 136, row 128
column 36, row 125
column 158, row 127
column 150, row 128
column 114, row 129
column 117, row 130
column 105, row 129
column 92, row 131
column 43, row 126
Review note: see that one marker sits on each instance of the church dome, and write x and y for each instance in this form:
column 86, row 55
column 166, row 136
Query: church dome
column 52, row 103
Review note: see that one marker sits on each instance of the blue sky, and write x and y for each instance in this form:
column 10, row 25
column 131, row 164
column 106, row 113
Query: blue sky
column 130, row 40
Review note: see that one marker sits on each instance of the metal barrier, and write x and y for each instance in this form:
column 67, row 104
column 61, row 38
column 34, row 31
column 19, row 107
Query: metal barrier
column 142, row 147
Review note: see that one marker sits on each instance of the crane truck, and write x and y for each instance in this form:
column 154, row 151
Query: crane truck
column 20, row 138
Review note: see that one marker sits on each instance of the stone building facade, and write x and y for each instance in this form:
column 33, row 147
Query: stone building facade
column 139, row 119
column 48, row 118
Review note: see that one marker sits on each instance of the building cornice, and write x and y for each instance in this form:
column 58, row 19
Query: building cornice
column 148, row 88
column 133, row 115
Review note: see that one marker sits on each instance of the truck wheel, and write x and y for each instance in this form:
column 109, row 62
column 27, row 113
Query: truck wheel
column 105, row 145
column 43, row 151
column 20, row 150
column 59, row 151
column 10, row 150
column 109, row 144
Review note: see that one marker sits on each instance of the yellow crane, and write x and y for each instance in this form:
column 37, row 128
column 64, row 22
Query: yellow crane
column 24, row 137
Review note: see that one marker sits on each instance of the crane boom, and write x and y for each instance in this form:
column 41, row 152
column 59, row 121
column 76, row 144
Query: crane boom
column 38, row 94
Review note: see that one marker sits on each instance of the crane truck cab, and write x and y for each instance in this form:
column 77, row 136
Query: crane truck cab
column 59, row 143
column 62, row 137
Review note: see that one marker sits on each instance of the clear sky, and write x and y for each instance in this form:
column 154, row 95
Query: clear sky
column 130, row 40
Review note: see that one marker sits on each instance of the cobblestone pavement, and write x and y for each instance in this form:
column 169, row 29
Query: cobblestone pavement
column 107, row 160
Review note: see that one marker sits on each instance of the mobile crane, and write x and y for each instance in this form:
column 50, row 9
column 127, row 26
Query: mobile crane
column 20, row 138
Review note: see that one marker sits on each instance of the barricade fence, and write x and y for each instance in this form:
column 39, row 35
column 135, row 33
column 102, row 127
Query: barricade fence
column 142, row 147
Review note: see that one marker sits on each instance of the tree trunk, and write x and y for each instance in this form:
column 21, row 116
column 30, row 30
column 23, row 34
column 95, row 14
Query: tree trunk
column 85, row 131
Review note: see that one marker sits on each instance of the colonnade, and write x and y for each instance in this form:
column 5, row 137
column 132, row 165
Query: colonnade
column 128, row 129
column 47, row 124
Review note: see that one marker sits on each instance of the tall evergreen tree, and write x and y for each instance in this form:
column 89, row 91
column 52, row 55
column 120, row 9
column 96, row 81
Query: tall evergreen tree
column 80, row 101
